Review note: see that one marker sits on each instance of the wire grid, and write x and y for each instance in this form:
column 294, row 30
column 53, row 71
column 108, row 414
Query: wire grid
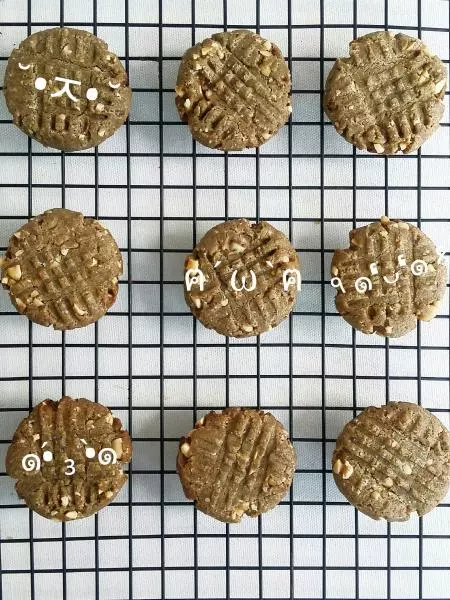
column 159, row 370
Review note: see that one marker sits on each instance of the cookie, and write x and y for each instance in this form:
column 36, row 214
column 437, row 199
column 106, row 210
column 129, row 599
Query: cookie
column 389, row 278
column 233, row 90
column 65, row 89
column 68, row 457
column 62, row 269
column 236, row 462
column 393, row 461
column 387, row 97
column 242, row 279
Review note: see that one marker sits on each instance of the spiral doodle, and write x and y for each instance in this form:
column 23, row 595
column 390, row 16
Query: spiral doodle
column 419, row 267
column 107, row 456
column 31, row 462
column 362, row 284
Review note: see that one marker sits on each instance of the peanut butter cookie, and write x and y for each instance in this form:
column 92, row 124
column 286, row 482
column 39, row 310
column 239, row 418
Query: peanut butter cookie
column 236, row 462
column 62, row 269
column 242, row 279
column 392, row 461
column 387, row 97
column 390, row 277
column 233, row 90
column 68, row 458
column 65, row 89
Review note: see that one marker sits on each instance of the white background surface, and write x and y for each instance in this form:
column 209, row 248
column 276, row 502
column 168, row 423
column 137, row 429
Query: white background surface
column 314, row 545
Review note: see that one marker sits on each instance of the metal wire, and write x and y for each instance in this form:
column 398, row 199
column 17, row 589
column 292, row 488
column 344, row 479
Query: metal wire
column 161, row 585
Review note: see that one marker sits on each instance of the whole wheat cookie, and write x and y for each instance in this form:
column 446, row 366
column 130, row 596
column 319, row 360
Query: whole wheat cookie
column 236, row 462
column 67, row 458
column 62, row 269
column 242, row 279
column 387, row 97
column 392, row 461
column 65, row 89
column 233, row 89
column 390, row 277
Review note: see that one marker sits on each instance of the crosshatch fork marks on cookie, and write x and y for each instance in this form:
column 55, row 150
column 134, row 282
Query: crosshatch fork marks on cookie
column 236, row 462
column 233, row 90
column 238, row 247
column 62, row 269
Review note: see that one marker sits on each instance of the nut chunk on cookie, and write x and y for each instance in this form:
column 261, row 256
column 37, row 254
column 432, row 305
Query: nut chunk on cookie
column 242, row 279
column 233, row 90
column 62, row 269
column 390, row 277
column 66, row 89
column 392, row 461
column 68, row 458
column 387, row 97
column 236, row 462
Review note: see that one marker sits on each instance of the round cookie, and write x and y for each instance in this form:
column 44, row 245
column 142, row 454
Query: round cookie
column 62, row 269
column 392, row 461
column 249, row 272
column 65, row 89
column 387, row 97
column 236, row 462
column 233, row 90
column 68, row 458
column 389, row 278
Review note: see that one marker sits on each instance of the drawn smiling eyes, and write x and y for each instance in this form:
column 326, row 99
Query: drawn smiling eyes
column 364, row 284
column 32, row 462
column 40, row 84
column 91, row 94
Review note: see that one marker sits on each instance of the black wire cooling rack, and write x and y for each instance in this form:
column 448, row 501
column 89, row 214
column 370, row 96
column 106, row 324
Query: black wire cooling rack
column 159, row 370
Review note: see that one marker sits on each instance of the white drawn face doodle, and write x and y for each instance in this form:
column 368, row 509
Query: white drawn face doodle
column 47, row 456
column 33, row 462
column 90, row 452
column 418, row 268
column 92, row 94
column 66, row 88
column 40, row 84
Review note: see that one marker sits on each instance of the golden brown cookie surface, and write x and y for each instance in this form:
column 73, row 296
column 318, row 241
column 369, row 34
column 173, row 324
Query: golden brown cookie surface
column 62, row 269
column 233, row 90
column 390, row 277
column 251, row 278
column 236, row 462
column 65, row 89
column 392, row 461
column 68, row 458
column 387, row 97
